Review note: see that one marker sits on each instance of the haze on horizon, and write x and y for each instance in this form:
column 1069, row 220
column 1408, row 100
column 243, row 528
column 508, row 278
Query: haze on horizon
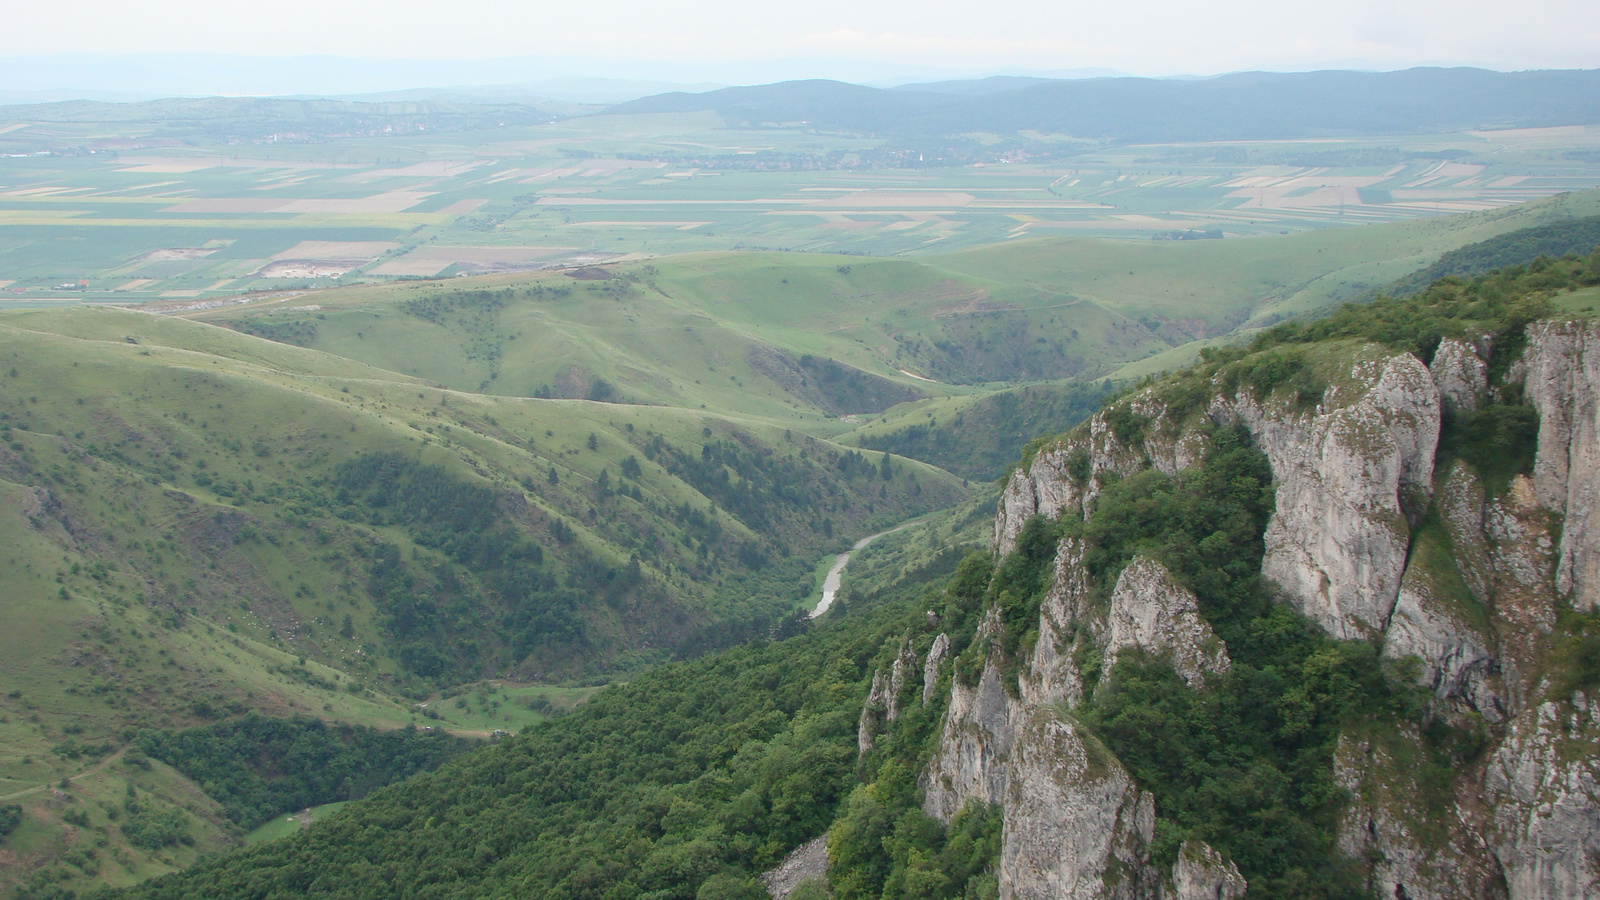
column 489, row 41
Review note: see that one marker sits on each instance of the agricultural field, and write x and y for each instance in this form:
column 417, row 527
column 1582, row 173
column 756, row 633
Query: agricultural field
column 117, row 212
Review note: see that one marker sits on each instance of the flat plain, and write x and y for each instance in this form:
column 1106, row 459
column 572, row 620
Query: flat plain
column 125, row 217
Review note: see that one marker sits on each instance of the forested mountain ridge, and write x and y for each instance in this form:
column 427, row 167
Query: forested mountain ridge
column 1240, row 106
column 1167, row 667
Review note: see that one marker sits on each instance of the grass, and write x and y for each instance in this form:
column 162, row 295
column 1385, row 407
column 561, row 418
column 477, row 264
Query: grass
column 284, row 826
column 144, row 590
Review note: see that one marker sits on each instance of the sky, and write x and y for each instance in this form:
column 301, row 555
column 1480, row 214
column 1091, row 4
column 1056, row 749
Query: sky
column 734, row 42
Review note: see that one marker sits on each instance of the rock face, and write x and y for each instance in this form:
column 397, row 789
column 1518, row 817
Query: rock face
column 1067, row 476
column 1065, row 618
column 905, row 662
column 931, row 669
column 1202, row 873
column 1076, row 826
column 1543, row 785
column 1348, row 475
column 874, row 713
column 1408, row 852
column 1460, row 374
column 1561, row 369
column 1369, row 542
column 1151, row 612
column 974, row 748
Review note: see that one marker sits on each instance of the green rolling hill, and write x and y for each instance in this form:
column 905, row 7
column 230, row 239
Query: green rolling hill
column 466, row 503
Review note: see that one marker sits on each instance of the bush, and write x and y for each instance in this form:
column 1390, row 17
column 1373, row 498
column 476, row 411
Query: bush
column 10, row 818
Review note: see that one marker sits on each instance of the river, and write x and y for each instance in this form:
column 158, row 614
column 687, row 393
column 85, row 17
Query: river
column 830, row 584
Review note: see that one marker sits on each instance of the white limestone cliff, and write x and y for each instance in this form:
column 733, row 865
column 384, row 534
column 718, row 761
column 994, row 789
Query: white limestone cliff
column 1369, row 542
column 1202, row 873
column 1408, row 850
column 1347, row 474
column 1460, row 374
column 932, row 668
column 1076, row 826
column 1151, row 612
column 1543, row 785
column 1561, row 378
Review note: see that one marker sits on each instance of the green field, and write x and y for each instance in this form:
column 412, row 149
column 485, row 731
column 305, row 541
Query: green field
column 287, row 825
column 206, row 218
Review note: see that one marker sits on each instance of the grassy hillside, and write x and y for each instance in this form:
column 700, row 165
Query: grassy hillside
column 694, row 777
column 733, row 331
column 199, row 522
column 1220, row 285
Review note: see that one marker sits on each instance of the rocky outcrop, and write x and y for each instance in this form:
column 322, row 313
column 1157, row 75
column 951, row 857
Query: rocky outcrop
column 1461, row 504
column 1065, row 477
column 1437, row 619
column 1076, row 826
column 1348, row 476
column 1521, row 556
column 1409, row 849
column 974, row 748
column 1202, row 873
column 884, row 697
column 1561, row 380
column 805, row 862
column 1368, row 541
column 1153, row 613
column 1460, row 374
column 1044, row 488
column 931, row 668
column 874, row 714
column 976, row 740
column 905, row 662
column 1065, row 619
column 1543, row 785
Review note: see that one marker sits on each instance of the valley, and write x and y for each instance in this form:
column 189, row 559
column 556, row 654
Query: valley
column 491, row 475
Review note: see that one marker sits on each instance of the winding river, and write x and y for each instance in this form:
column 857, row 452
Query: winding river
column 830, row 584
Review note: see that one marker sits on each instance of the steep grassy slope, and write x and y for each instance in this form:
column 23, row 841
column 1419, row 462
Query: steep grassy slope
column 734, row 331
column 198, row 522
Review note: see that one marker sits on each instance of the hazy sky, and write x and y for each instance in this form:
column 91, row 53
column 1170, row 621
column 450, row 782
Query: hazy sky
column 1144, row 37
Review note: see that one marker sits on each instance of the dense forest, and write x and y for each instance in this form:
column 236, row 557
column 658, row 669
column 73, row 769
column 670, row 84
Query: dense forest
column 258, row 767
column 686, row 782
column 1514, row 248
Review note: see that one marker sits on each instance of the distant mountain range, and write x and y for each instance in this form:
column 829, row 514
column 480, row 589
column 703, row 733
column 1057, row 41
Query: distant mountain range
column 1239, row 107
column 1243, row 106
